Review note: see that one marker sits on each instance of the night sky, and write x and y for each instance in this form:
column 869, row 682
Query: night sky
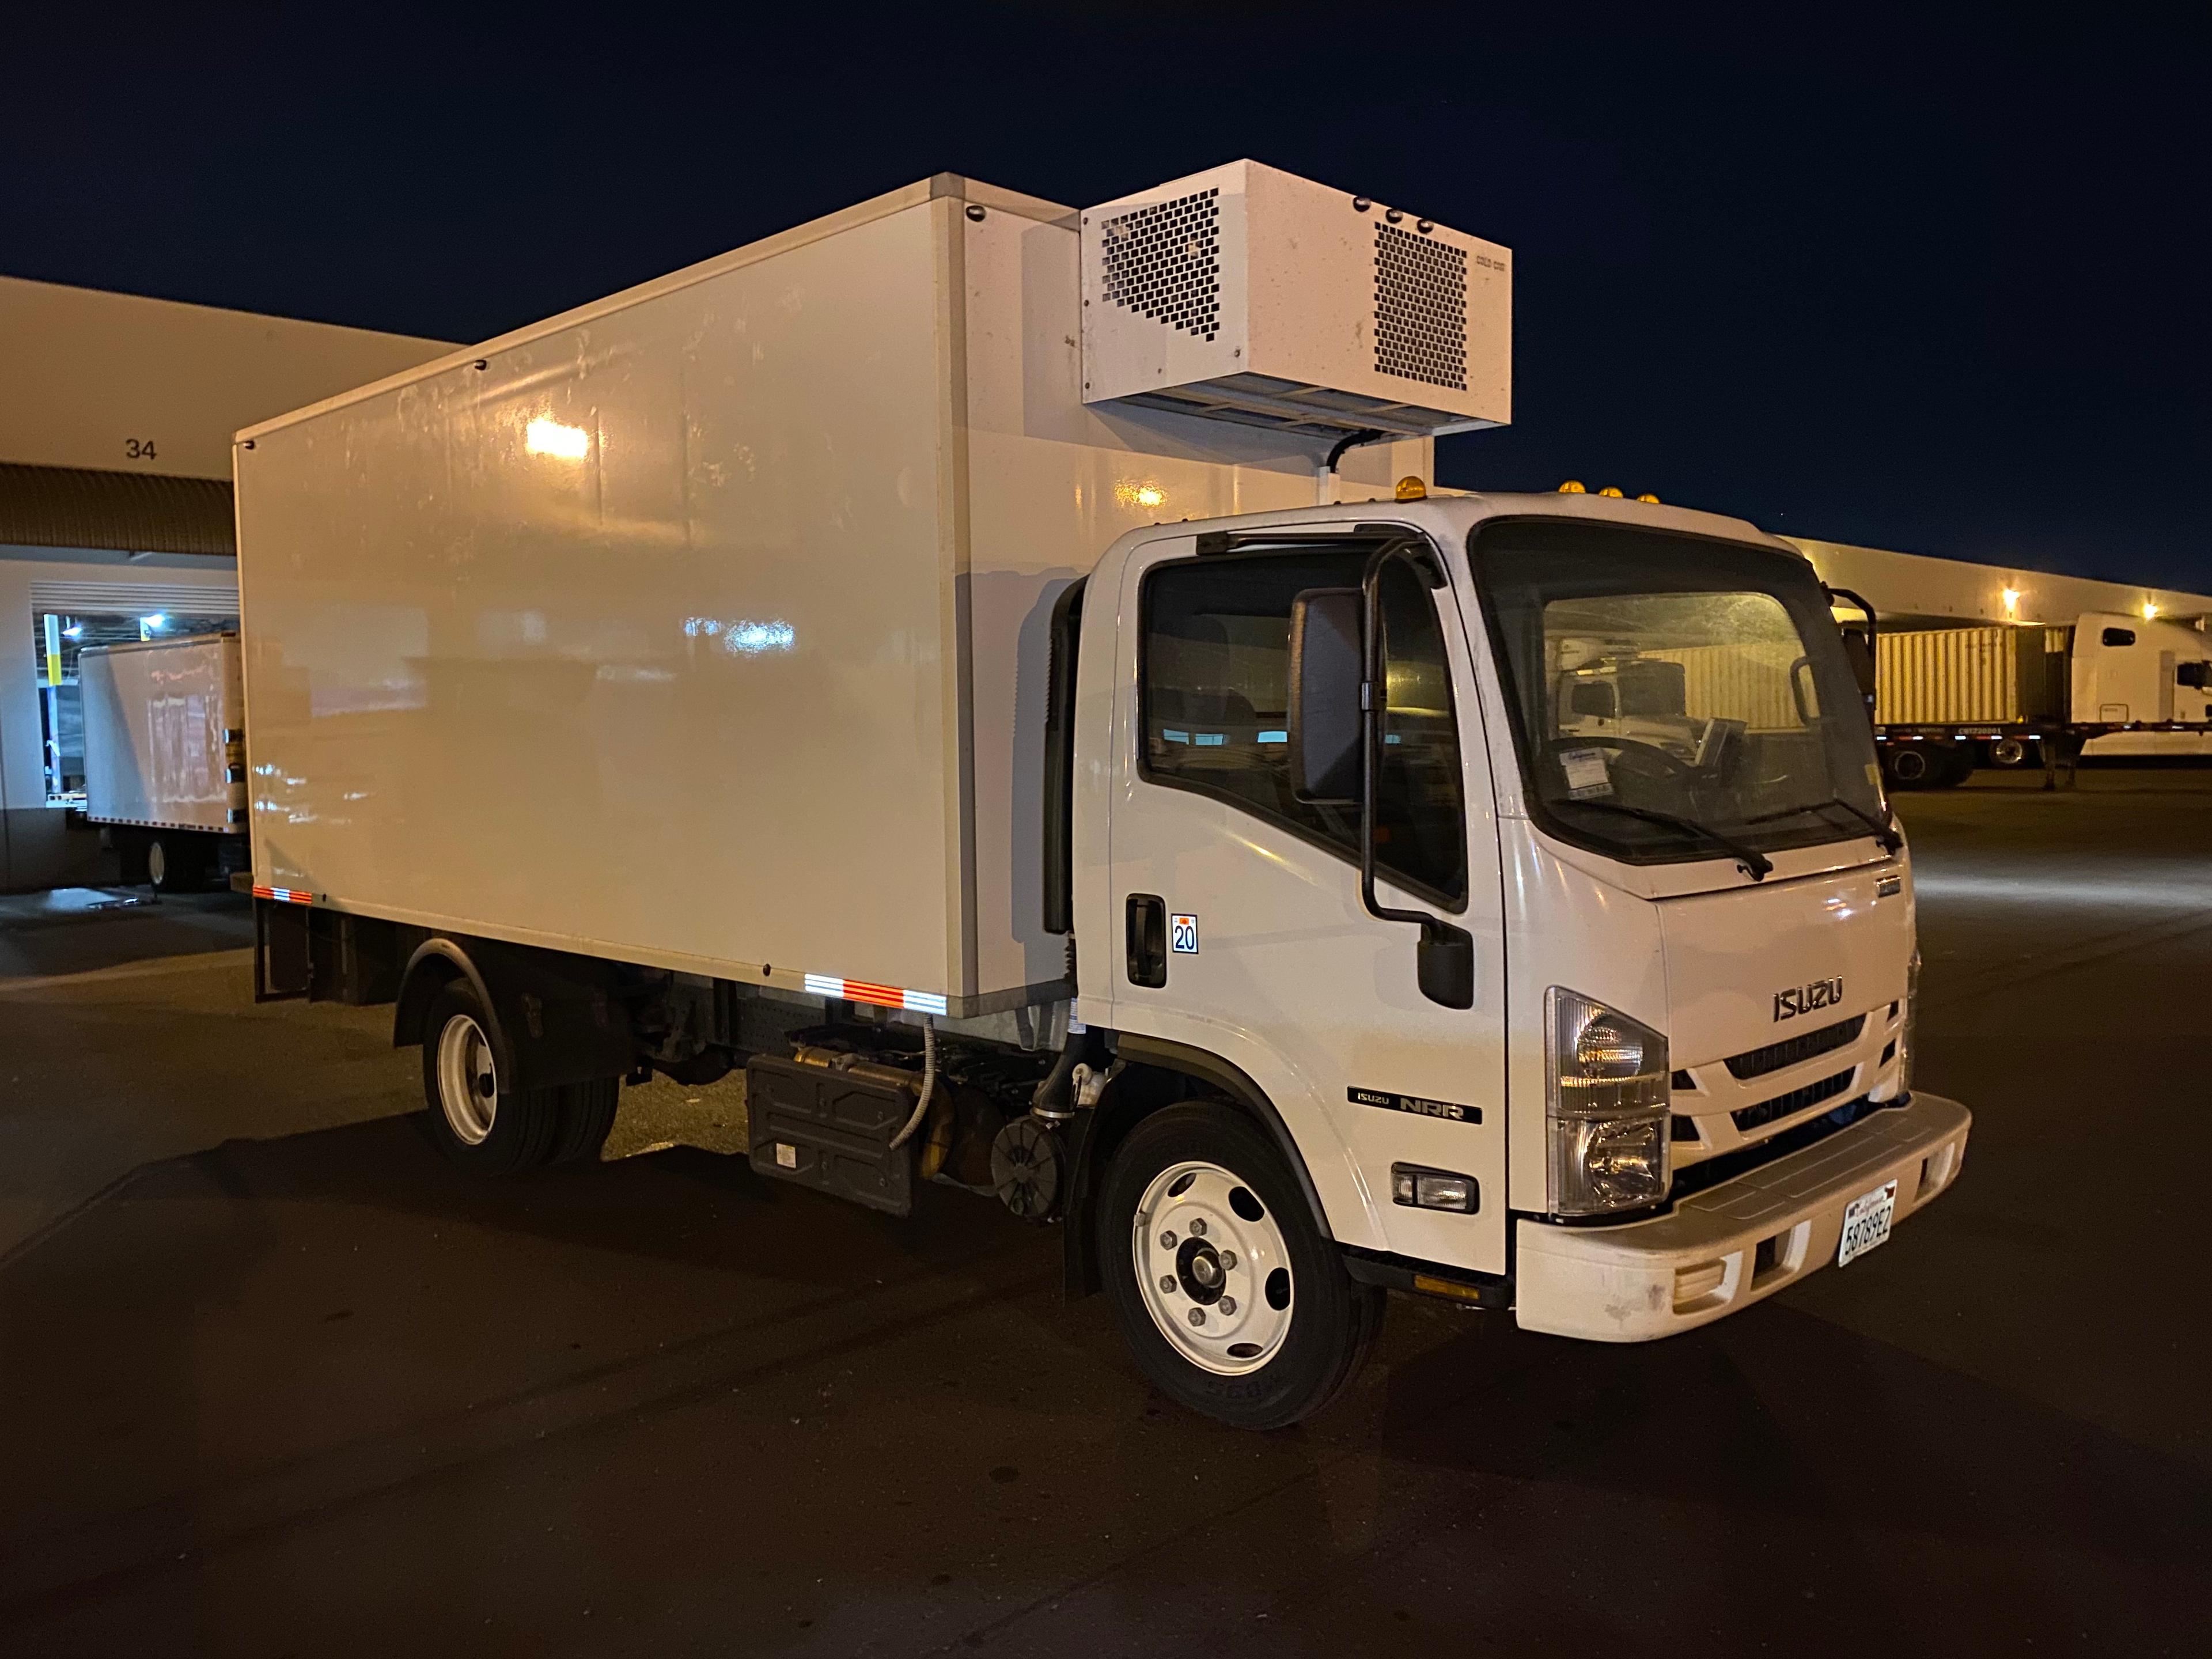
column 1939, row 287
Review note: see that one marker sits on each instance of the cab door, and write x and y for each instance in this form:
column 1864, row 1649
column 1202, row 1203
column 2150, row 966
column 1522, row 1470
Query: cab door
column 1242, row 930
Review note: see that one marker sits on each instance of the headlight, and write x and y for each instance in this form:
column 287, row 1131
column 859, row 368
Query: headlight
column 1905, row 1035
column 1607, row 1110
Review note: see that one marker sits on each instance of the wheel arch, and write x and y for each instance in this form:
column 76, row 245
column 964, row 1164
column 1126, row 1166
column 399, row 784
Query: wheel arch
column 436, row 962
column 556, row 1018
column 1156, row 1074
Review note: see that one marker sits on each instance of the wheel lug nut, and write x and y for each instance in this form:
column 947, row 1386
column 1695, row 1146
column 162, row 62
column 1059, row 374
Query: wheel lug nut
column 1167, row 1282
column 1228, row 1304
column 1229, row 1261
column 1167, row 1241
column 1198, row 1227
column 1198, row 1315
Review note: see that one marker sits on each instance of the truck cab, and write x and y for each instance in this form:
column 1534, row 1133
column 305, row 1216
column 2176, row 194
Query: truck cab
column 1523, row 863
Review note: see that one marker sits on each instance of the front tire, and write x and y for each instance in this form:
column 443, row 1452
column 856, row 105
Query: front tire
column 1220, row 1276
column 480, row 1123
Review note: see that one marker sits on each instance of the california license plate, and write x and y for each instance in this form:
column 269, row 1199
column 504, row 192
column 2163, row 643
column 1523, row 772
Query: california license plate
column 1866, row 1222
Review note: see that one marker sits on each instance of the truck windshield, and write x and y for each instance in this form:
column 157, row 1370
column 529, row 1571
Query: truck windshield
column 1672, row 696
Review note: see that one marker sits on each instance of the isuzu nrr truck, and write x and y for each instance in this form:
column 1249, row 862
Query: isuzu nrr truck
column 993, row 675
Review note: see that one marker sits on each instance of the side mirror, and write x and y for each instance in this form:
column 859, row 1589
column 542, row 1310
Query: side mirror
column 1858, row 651
column 1328, row 628
column 1444, row 963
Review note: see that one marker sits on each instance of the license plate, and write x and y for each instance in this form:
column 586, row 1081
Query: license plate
column 1866, row 1222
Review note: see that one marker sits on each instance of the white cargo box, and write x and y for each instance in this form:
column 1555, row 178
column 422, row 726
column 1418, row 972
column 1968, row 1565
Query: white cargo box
column 164, row 743
column 706, row 627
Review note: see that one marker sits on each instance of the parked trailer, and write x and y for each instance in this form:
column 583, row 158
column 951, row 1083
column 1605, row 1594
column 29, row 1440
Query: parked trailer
column 165, row 756
column 903, row 662
column 1950, row 699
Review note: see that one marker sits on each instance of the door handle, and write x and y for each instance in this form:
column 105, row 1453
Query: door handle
column 1148, row 939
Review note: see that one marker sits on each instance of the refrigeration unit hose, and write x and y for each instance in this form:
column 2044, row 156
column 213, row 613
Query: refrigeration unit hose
column 928, row 1084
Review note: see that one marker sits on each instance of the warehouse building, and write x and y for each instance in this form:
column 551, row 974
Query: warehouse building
column 116, row 416
column 1913, row 590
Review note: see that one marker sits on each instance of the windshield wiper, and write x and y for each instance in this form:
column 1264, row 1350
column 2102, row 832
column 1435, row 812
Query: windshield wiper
column 1887, row 834
column 1756, row 864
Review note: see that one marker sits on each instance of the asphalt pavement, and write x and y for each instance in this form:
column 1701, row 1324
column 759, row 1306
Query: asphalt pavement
column 274, row 1380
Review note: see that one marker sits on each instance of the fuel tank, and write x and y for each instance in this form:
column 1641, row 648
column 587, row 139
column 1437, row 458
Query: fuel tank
column 1757, row 964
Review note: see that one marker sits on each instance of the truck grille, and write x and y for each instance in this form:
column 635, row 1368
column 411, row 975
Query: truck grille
column 1791, row 1050
column 1750, row 1117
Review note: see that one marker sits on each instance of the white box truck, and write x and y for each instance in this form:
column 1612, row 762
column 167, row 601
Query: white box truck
column 165, row 756
column 920, row 659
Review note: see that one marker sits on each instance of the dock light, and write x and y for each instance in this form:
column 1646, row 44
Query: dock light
column 543, row 436
column 1571, row 488
column 1150, row 496
column 2150, row 612
column 2011, row 604
column 1412, row 489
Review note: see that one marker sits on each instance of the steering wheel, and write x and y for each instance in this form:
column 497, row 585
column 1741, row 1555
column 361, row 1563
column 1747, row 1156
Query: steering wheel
column 1675, row 763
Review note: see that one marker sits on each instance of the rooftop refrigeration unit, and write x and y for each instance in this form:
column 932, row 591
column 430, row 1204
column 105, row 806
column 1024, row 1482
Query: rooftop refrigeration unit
column 1250, row 294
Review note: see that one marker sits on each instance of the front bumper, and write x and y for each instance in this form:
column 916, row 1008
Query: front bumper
column 1704, row 1259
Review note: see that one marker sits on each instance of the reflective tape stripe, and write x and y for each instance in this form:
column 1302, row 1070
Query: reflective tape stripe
column 883, row 996
column 283, row 895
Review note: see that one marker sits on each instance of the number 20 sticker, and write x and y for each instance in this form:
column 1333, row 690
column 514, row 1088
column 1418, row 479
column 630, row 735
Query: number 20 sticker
column 1183, row 935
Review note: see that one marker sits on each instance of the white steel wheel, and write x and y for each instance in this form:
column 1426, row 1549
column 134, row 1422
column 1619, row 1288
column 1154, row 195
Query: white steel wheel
column 468, row 1080
column 1213, row 1267
column 1201, row 1214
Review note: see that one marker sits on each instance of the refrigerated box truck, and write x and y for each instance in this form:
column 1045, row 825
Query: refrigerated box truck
column 2110, row 684
column 165, row 757
column 993, row 675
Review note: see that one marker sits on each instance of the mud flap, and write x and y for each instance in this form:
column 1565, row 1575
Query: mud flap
column 281, row 969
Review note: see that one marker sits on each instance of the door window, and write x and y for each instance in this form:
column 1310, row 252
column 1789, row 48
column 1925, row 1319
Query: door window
column 1214, row 672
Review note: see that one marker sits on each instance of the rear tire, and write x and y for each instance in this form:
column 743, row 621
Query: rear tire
column 479, row 1122
column 1909, row 767
column 588, row 1112
column 1280, row 1327
column 175, row 864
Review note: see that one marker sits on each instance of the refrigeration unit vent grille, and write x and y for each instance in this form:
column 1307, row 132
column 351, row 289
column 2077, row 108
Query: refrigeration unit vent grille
column 1420, row 308
column 1163, row 261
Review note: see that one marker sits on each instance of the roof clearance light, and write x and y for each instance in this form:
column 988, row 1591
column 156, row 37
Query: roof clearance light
column 1571, row 488
column 545, row 436
column 1649, row 500
column 1412, row 489
column 1610, row 490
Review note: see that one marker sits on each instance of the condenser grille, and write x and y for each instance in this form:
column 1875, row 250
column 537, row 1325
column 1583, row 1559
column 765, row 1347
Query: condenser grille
column 1420, row 308
column 1163, row 261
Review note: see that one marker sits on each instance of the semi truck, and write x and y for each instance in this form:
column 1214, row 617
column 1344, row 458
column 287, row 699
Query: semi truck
column 165, row 757
column 2108, row 683
column 993, row 675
